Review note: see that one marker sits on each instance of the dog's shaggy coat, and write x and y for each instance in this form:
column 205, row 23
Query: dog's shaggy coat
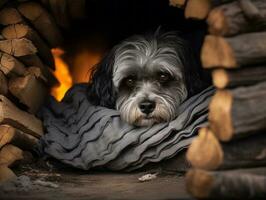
column 146, row 78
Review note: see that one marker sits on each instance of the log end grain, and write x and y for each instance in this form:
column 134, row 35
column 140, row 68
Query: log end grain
column 197, row 9
column 199, row 183
column 217, row 22
column 220, row 78
column 205, row 152
column 220, row 115
column 6, row 174
column 216, row 52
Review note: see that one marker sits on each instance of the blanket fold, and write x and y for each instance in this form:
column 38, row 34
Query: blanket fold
column 85, row 136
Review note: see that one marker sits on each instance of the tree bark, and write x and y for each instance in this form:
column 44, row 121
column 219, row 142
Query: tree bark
column 42, row 21
column 238, row 112
column 234, row 52
column 205, row 152
column 18, row 31
column 3, row 83
column 230, row 19
column 238, row 77
column 242, row 184
column 11, row 115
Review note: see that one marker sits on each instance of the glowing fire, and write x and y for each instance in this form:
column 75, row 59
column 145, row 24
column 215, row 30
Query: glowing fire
column 62, row 74
column 81, row 65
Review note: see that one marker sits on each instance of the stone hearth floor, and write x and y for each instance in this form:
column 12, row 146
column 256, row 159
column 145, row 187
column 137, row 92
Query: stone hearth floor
column 68, row 184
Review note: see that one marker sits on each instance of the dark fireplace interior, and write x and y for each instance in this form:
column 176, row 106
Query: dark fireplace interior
column 109, row 22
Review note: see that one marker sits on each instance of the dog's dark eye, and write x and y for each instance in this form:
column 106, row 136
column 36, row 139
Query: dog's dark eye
column 163, row 77
column 130, row 81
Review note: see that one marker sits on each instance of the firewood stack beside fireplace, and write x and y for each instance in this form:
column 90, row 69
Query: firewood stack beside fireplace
column 28, row 31
column 228, row 158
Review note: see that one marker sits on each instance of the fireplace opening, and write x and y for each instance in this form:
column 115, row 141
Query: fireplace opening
column 105, row 24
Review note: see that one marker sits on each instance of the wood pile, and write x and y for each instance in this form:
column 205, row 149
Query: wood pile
column 28, row 32
column 228, row 157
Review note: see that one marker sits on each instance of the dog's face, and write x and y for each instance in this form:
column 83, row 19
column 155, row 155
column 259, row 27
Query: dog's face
column 145, row 78
column 148, row 79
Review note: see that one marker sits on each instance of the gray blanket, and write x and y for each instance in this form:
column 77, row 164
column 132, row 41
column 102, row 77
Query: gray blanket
column 86, row 136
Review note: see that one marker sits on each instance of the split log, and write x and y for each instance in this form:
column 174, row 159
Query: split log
column 238, row 77
column 205, row 152
column 197, row 9
column 241, row 184
column 9, row 154
column 18, row 47
column 10, row 16
column 10, row 135
column 42, row 21
column 229, row 19
column 18, row 31
column 77, row 9
column 29, row 90
column 177, row 3
column 6, row 174
column 11, row 115
column 241, row 50
column 10, row 66
column 59, row 9
column 35, row 61
column 3, row 83
column 238, row 112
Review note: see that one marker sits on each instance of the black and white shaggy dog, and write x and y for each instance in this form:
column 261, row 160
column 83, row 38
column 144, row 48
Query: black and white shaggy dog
column 146, row 78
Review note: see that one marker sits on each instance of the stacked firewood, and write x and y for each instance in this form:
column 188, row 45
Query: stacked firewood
column 28, row 31
column 229, row 156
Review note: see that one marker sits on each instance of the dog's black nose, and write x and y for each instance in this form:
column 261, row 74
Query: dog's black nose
column 147, row 106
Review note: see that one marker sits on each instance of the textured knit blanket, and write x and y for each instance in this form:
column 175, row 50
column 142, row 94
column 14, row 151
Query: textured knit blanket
column 85, row 136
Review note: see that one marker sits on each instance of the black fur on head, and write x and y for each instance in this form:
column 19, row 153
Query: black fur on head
column 101, row 90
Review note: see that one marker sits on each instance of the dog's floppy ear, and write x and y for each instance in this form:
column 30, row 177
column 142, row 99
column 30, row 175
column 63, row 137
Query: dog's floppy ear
column 101, row 90
column 192, row 69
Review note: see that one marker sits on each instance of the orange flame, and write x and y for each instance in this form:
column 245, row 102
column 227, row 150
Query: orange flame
column 62, row 74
